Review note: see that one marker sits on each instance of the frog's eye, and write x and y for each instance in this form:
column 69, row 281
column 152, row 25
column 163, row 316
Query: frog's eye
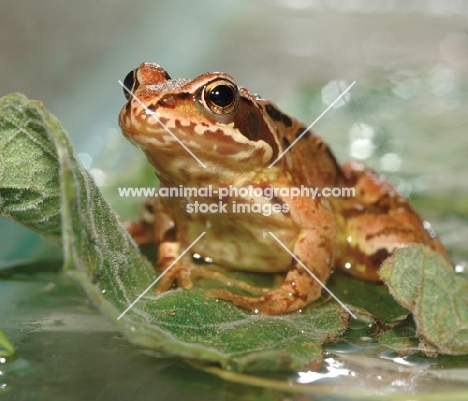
column 221, row 96
column 131, row 83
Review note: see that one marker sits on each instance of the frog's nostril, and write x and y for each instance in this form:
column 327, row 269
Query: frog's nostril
column 167, row 101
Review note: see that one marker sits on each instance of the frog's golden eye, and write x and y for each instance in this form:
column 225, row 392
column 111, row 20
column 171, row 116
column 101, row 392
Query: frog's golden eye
column 221, row 96
column 131, row 83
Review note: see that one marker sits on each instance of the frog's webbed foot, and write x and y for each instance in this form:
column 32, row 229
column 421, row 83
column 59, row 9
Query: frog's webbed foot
column 298, row 289
column 275, row 302
column 185, row 273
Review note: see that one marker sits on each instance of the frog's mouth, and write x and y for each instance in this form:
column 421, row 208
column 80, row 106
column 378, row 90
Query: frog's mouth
column 210, row 146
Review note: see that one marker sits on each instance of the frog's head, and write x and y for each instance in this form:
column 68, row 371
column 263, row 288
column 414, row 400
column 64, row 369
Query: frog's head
column 223, row 125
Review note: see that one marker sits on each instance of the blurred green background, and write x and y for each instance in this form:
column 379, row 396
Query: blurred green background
column 406, row 117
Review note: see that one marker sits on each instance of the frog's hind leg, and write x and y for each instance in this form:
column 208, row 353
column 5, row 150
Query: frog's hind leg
column 298, row 289
column 152, row 225
column 374, row 222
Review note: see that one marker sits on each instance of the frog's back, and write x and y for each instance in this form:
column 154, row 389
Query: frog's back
column 310, row 160
column 372, row 217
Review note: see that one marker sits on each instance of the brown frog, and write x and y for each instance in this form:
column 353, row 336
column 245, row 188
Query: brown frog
column 237, row 136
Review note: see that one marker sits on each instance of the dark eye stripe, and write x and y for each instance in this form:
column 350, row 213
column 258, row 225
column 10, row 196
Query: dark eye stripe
column 250, row 121
column 277, row 115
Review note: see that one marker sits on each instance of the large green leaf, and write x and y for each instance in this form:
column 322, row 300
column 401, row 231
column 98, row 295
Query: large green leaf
column 423, row 282
column 103, row 259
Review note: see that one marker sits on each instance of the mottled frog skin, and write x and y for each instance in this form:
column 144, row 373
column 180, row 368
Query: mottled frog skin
column 237, row 135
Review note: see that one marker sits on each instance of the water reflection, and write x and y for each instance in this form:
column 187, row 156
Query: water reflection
column 461, row 267
column 361, row 138
column 405, row 84
column 442, row 80
column 334, row 369
column 390, row 162
column 332, row 90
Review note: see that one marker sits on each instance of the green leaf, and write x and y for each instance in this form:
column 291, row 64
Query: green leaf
column 6, row 347
column 404, row 340
column 104, row 260
column 29, row 191
column 423, row 282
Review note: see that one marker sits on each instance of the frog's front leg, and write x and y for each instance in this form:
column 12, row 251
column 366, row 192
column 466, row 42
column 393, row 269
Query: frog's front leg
column 299, row 288
column 157, row 227
column 180, row 271
column 314, row 247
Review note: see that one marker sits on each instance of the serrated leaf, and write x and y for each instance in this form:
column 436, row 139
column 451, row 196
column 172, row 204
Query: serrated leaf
column 102, row 258
column 423, row 282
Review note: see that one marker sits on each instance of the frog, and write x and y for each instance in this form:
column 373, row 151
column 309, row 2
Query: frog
column 211, row 132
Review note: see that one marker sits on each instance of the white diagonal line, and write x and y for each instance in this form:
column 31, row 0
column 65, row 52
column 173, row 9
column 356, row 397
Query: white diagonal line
column 162, row 274
column 311, row 125
column 313, row 275
column 153, row 114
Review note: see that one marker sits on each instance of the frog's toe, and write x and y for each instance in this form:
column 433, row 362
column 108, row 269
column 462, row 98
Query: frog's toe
column 178, row 272
column 275, row 302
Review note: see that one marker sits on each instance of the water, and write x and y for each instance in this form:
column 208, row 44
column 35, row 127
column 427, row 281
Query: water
column 66, row 350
